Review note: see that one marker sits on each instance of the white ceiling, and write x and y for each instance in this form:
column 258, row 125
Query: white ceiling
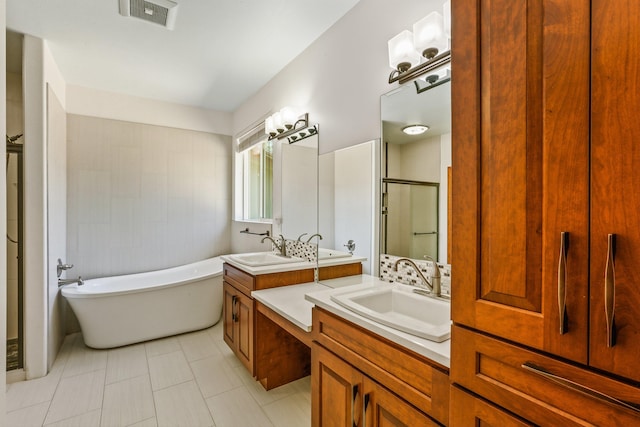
column 220, row 53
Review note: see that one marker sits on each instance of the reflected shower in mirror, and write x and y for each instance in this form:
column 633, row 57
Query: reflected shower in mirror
column 347, row 202
column 299, row 184
column 416, row 165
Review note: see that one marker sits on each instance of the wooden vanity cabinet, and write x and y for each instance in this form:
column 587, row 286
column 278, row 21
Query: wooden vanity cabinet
column 545, row 169
column 359, row 378
column 238, row 309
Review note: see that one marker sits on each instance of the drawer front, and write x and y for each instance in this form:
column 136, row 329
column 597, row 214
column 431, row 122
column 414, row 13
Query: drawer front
column 242, row 281
column 536, row 387
column 405, row 373
column 470, row 411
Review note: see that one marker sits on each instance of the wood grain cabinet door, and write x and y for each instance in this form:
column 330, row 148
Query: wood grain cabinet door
column 244, row 321
column 615, row 188
column 520, row 141
column 229, row 315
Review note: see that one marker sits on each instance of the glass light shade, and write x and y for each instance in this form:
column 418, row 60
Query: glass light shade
column 415, row 129
column 429, row 36
column 289, row 116
column 446, row 14
column 402, row 52
column 269, row 127
column 277, row 121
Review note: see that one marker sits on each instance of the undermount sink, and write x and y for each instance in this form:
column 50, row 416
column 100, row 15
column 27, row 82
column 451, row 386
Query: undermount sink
column 258, row 259
column 332, row 254
column 398, row 307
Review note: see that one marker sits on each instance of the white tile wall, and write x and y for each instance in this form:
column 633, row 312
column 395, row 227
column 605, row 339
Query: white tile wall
column 143, row 197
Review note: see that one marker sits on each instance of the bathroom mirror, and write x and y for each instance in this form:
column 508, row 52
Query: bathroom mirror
column 299, row 188
column 347, row 207
column 416, row 169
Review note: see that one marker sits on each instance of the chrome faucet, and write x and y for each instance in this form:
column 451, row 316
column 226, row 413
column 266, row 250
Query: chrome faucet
column 300, row 236
column 62, row 282
column 281, row 247
column 317, row 234
column 434, row 285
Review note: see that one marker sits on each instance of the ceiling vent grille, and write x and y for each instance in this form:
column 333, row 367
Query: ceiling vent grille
column 162, row 12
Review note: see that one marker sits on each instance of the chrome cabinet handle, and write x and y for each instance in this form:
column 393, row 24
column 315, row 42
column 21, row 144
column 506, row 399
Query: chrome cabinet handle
column 531, row 367
column 366, row 399
column 234, row 316
column 562, row 282
column 610, row 290
column 354, row 397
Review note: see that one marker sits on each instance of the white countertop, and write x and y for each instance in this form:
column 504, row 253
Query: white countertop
column 438, row 352
column 291, row 266
column 290, row 303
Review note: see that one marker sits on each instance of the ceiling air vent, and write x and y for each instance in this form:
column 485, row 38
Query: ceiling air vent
column 161, row 12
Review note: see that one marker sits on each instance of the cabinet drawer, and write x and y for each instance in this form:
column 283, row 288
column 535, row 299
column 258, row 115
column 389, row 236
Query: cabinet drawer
column 470, row 411
column 409, row 375
column 244, row 282
column 513, row 378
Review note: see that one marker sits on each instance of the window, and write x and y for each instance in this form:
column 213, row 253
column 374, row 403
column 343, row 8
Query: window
column 257, row 178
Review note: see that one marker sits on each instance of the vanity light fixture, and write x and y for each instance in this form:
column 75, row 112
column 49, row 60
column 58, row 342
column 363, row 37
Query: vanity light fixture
column 428, row 43
column 288, row 122
column 433, row 78
column 415, row 129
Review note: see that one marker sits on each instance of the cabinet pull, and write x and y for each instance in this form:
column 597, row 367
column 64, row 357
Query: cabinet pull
column 562, row 282
column 234, row 316
column 531, row 367
column 367, row 397
column 354, row 397
column 610, row 290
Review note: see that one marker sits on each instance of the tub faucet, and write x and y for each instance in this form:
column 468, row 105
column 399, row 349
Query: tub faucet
column 281, row 247
column 434, row 284
column 317, row 234
column 62, row 282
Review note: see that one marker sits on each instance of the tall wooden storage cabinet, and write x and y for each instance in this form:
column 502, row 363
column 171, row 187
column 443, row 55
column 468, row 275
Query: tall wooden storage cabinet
column 546, row 206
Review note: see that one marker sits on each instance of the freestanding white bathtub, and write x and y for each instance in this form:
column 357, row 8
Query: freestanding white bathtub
column 121, row 310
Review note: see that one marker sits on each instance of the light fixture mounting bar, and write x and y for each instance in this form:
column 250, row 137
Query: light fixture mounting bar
column 300, row 124
column 418, row 70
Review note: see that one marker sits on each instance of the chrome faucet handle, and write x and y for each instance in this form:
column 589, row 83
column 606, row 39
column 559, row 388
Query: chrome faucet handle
column 436, row 268
column 62, row 267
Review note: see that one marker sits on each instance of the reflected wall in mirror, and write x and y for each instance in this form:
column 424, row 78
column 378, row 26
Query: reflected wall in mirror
column 347, row 202
column 299, row 188
column 415, row 170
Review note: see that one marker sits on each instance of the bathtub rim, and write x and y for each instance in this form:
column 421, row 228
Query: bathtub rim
column 74, row 291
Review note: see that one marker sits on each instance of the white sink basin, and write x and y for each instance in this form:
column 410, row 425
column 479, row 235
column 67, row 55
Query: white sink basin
column 398, row 307
column 331, row 254
column 258, row 259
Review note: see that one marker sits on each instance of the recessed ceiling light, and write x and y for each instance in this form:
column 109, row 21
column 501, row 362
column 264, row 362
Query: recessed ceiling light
column 415, row 129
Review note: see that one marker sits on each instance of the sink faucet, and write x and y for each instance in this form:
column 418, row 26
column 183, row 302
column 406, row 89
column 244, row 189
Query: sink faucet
column 317, row 234
column 62, row 282
column 281, row 247
column 300, row 236
column 434, row 284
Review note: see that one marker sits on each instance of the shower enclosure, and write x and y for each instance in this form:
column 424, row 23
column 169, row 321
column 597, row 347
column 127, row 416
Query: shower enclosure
column 14, row 253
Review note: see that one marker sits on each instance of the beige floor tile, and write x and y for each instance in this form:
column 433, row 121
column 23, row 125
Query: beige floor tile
column 169, row 369
column 162, row 346
column 84, row 359
column 229, row 357
column 237, row 408
column 77, row 395
column 151, row 422
column 197, row 345
column 126, row 362
column 214, row 376
column 28, row 393
column 182, row 405
column 291, row 411
column 127, row 402
column 32, row 416
column 216, row 331
column 90, row 419
column 262, row 396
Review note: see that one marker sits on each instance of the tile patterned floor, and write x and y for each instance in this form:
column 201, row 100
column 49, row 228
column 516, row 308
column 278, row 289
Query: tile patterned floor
column 189, row 380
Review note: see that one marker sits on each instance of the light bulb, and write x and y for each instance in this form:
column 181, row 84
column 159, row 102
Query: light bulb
column 402, row 53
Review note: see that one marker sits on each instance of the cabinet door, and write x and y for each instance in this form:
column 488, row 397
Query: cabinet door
column 520, row 128
column 244, row 322
column 615, row 186
column 383, row 408
column 228, row 315
column 471, row 411
column 336, row 391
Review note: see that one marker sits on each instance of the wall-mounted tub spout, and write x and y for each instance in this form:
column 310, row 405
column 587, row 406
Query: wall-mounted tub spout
column 62, row 282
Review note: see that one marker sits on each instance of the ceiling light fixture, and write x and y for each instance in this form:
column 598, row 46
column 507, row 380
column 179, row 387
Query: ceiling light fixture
column 413, row 54
column 288, row 123
column 415, row 129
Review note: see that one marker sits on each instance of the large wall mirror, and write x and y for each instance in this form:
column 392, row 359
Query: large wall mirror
column 416, row 168
column 347, row 206
column 299, row 188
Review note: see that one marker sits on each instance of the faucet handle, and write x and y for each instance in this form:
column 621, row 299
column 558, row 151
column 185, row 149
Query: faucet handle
column 436, row 268
column 62, row 267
